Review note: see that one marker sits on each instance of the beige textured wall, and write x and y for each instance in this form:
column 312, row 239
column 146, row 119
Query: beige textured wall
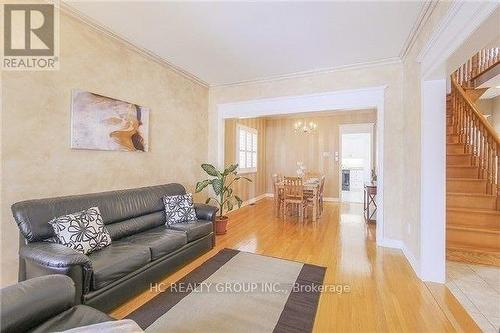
column 485, row 106
column 246, row 190
column 36, row 159
column 491, row 108
column 285, row 147
column 394, row 150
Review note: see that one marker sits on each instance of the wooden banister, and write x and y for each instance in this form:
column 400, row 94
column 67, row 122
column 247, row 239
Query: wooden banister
column 478, row 136
column 480, row 63
column 474, row 109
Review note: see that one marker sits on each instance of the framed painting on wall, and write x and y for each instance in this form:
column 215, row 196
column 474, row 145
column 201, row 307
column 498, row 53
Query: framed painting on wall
column 104, row 123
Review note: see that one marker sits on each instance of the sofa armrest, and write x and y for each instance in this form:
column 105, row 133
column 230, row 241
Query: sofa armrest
column 205, row 212
column 42, row 258
column 29, row 303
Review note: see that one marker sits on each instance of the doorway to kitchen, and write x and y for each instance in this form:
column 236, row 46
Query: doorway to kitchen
column 357, row 160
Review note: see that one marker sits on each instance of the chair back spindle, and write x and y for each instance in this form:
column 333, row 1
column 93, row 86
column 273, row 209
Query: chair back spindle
column 294, row 188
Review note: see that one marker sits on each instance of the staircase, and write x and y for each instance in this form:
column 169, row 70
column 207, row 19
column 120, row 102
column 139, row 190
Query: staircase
column 472, row 167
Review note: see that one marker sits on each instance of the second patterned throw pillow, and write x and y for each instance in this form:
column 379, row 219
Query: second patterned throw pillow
column 179, row 208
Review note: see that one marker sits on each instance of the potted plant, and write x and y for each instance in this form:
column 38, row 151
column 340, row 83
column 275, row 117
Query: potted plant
column 222, row 183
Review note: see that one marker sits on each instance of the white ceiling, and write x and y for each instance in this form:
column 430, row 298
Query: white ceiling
column 229, row 42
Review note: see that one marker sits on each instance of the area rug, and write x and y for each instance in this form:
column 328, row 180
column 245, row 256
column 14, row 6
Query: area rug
column 236, row 291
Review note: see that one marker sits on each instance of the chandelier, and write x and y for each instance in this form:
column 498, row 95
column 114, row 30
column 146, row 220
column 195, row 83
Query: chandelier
column 302, row 126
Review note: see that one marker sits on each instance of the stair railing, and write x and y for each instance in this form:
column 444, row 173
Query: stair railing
column 480, row 63
column 477, row 135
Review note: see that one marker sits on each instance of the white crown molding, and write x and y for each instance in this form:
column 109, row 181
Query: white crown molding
column 71, row 11
column 361, row 65
column 425, row 12
column 461, row 20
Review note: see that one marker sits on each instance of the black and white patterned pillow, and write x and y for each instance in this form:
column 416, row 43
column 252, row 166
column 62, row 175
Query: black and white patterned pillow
column 179, row 208
column 83, row 231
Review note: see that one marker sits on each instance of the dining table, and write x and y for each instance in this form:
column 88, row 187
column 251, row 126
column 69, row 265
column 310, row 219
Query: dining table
column 311, row 187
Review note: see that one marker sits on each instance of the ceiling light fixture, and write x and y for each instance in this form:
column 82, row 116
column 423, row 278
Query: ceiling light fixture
column 302, row 126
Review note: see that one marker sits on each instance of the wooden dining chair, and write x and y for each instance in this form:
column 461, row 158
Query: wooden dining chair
column 294, row 195
column 320, row 193
column 311, row 198
column 278, row 193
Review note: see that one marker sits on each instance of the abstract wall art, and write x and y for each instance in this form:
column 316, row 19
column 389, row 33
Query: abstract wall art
column 104, row 123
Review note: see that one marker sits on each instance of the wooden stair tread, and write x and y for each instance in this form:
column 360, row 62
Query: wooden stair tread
column 466, row 179
column 454, row 246
column 462, row 166
column 473, row 229
column 473, row 255
column 472, row 194
column 474, row 210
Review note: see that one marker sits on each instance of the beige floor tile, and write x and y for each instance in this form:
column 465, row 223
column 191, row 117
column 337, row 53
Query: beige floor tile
column 472, row 283
column 455, row 271
column 490, row 274
column 487, row 301
column 483, row 323
column 462, row 298
column 477, row 287
column 495, row 321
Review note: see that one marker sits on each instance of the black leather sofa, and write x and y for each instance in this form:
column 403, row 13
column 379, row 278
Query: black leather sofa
column 143, row 248
column 45, row 304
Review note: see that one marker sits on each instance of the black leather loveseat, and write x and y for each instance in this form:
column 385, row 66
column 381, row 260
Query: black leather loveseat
column 45, row 304
column 143, row 249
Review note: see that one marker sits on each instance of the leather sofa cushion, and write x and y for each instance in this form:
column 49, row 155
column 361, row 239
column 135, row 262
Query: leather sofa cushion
column 117, row 260
column 160, row 240
column 77, row 316
column 135, row 225
column 194, row 229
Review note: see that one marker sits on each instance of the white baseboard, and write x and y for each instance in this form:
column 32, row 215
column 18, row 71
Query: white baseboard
column 398, row 244
column 254, row 200
column 391, row 243
column 412, row 260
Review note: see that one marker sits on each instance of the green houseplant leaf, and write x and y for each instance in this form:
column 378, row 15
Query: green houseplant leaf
column 238, row 200
column 210, row 169
column 230, row 169
column 229, row 205
column 217, row 185
column 201, row 185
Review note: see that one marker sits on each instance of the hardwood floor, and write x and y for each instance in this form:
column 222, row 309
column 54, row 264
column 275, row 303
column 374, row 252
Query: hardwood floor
column 385, row 293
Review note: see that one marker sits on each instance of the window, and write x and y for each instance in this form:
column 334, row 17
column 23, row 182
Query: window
column 246, row 148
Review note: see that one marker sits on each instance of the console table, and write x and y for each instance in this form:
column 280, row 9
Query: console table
column 369, row 202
